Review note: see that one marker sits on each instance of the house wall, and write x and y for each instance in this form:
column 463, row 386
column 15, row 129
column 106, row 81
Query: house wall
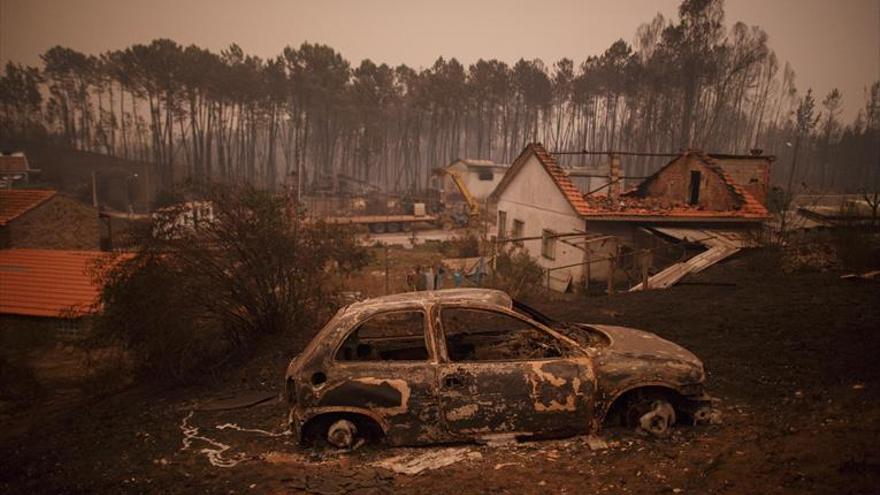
column 480, row 189
column 673, row 186
column 59, row 223
column 19, row 332
column 533, row 198
column 753, row 174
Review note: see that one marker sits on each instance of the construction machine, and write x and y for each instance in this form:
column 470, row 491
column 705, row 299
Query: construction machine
column 473, row 207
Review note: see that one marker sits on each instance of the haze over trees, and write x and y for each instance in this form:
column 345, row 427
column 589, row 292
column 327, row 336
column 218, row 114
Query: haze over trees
column 689, row 82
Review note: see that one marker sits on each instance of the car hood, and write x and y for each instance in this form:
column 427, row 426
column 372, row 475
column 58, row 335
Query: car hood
column 638, row 344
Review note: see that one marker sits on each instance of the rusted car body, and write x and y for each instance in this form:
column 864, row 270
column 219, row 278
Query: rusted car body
column 461, row 364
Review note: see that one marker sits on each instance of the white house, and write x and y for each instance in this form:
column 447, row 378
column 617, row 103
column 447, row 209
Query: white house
column 536, row 199
column 480, row 176
column 578, row 238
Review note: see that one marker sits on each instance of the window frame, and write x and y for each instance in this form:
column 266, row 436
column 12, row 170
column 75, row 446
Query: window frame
column 353, row 328
column 570, row 346
column 502, row 224
column 548, row 244
column 522, row 231
column 485, row 175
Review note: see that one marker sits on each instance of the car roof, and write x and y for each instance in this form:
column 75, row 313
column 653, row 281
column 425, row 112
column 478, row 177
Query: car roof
column 491, row 296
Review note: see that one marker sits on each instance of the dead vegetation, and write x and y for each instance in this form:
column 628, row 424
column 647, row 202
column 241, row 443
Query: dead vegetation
column 200, row 296
column 517, row 273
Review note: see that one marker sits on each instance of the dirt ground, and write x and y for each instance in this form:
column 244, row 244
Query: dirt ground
column 793, row 359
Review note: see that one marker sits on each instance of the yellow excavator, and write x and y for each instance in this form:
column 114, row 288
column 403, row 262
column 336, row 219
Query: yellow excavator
column 473, row 207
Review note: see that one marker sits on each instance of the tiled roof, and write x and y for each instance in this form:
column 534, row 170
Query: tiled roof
column 634, row 204
column 10, row 164
column 49, row 283
column 557, row 174
column 749, row 206
column 16, row 202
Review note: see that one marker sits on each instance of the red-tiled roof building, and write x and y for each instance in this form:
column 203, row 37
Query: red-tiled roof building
column 537, row 201
column 41, row 218
column 47, row 282
column 47, row 290
column 15, row 169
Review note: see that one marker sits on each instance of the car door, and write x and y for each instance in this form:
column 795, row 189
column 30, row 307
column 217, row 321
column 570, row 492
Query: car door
column 386, row 364
column 502, row 373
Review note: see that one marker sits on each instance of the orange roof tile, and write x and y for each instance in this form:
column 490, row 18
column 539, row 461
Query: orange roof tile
column 43, row 282
column 16, row 202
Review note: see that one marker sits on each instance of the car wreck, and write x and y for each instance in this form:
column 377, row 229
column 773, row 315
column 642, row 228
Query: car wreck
column 469, row 364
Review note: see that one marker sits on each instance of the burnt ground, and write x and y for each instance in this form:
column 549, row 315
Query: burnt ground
column 793, row 358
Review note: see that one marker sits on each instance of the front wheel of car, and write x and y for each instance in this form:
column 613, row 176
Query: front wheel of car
column 341, row 431
column 650, row 414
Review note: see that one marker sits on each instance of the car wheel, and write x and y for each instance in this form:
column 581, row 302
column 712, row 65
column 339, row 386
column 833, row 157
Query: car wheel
column 342, row 434
column 650, row 414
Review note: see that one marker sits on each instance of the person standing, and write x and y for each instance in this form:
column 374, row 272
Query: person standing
column 439, row 275
column 419, row 277
column 429, row 278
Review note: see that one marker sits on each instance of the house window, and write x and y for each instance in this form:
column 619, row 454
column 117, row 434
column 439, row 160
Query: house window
column 548, row 244
column 694, row 198
column 485, row 175
column 518, row 229
column 502, row 224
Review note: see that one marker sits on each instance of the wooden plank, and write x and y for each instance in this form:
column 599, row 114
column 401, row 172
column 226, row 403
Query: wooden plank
column 678, row 271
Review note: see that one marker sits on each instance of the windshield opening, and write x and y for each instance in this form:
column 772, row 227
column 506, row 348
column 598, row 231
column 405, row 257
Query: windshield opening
column 533, row 314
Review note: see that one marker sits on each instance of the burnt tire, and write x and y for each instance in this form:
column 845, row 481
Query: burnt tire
column 341, row 431
column 393, row 227
column 650, row 413
column 377, row 228
column 342, row 434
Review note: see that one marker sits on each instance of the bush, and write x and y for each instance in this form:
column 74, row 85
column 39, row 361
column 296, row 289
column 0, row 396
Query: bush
column 200, row 295
column 464, row 246
column 517, row 273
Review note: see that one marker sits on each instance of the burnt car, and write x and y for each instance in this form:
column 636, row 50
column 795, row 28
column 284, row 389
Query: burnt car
column 468, row 364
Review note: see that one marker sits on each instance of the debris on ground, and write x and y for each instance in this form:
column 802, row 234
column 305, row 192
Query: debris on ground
column 873, row 276
column 418, row 461
column 265, row 433
column 342, row 482
column 595, row 442
column 214, row 451
column 498, row 439
column 237, row 400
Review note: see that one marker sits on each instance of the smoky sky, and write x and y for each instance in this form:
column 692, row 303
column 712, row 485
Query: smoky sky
column 828, row 43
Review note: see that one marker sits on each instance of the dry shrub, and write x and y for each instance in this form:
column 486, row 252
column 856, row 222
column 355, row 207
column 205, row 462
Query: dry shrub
column 201, row 294
column 808, row 256
column 465, row 246
column 517, row 273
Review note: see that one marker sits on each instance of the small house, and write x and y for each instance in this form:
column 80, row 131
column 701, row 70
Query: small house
column 43, row 218
column 578, row 238
column 15, row 169
column 47, row 290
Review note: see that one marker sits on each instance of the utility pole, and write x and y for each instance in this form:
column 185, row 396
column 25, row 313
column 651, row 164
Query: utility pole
column 386, row 269
column 94, row 189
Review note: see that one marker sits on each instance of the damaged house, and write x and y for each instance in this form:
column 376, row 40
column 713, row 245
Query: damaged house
column 716, row 201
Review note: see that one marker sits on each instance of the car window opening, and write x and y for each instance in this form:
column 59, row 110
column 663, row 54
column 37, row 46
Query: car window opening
column 397, row 336
column 481, row 335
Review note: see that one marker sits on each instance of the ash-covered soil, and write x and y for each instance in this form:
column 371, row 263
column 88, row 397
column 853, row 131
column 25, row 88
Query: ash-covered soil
column 793, row 358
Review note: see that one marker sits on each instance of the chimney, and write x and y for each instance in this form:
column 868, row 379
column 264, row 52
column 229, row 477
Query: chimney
column 613, row 176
